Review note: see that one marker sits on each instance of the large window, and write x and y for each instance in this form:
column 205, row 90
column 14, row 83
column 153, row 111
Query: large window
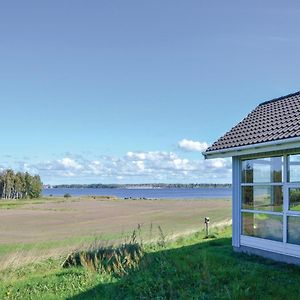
column 262, row 198
column 270, row 198
column 293, row 201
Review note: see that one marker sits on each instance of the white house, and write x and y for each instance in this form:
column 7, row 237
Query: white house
column 265, row 151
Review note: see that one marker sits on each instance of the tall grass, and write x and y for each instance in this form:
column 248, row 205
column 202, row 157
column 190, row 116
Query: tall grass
column 116, row 259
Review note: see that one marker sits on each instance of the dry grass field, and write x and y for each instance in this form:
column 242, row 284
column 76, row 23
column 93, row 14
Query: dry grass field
column 52, row 226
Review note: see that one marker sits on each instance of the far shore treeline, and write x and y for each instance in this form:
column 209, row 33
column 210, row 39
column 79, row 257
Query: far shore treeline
column 146, row 185
column 19, row 185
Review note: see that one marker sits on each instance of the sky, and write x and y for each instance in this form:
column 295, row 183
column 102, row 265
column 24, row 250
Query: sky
column 134, row 91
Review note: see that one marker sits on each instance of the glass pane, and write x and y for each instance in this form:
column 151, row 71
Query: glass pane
column 294, row 197
column 262, row 226
column 293, row 230
column 262, row 170
column 262, row 198
column 294, row 168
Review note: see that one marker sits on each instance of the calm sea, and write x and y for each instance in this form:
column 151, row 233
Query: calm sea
column 204, row 193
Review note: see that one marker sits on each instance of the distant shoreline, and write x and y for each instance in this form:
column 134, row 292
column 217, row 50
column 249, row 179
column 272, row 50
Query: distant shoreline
column 141, row 186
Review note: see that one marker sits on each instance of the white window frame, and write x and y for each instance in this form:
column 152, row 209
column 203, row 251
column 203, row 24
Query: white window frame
column 238, row 239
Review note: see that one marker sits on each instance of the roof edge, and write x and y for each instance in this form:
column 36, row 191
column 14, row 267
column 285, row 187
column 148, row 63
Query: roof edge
column 279, row 98
column 237, row 151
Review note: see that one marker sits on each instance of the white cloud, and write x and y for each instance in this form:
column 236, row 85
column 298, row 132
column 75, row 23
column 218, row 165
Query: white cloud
column 189, row 145
column 146, row 166
column 219, row 163
column 69, row 163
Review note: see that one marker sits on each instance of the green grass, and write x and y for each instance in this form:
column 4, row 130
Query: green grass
column 188, row 268
column 21, row 203
column 70, row 242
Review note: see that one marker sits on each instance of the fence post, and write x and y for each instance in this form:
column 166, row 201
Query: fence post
column 206, row 222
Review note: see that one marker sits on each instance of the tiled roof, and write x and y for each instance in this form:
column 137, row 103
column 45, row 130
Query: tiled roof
column 272, row 120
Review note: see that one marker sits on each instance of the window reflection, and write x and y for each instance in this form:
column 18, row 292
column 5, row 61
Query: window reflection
column 262, row 226
column 294, row 168
column 262, row 198
column 262, row 170
column 293, row 230
column 294, row 199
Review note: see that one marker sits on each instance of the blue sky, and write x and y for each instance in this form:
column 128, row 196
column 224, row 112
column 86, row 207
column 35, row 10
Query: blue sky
column 132, row 91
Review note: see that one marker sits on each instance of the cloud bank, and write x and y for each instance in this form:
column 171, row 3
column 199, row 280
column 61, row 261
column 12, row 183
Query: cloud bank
column 153, row 166
column 132, row 167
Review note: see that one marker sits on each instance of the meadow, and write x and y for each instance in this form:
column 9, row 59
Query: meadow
column 51, row 227
column 108, row 248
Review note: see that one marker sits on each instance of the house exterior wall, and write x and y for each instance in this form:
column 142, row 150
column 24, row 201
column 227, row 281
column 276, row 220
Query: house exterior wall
column 279, row 251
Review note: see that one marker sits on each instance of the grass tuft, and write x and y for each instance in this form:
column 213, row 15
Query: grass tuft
column 112, row 259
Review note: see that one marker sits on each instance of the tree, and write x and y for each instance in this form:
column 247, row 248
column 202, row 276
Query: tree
column 36, row 187
column 28, row 182
column 19, row 185
column 8, row 183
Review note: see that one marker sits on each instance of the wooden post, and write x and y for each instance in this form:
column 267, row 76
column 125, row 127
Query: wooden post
column 206, row 222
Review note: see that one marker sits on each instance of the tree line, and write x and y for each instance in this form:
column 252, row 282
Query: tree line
column 19, row 185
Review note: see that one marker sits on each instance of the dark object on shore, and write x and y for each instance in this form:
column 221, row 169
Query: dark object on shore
column 67, row 195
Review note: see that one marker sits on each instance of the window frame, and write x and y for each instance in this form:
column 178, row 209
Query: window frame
column 266, row 244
